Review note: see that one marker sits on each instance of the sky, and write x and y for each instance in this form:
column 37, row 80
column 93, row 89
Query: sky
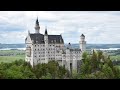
column 99, row 27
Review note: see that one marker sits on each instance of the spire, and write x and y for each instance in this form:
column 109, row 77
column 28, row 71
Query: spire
column 46, row 31
column 37, row 27
column 28, row 32
column 82, row 35
column 37, row 22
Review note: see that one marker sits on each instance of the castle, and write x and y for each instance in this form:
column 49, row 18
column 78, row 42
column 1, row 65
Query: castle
column 41, row 48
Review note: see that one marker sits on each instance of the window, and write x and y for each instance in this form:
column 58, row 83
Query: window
column 39, row 55
column 38, row 45
column 35, row 49
column 35, row 45
column 50, row 45
column 38, row 49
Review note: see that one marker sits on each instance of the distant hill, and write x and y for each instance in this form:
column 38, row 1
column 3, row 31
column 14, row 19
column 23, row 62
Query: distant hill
column 12, row 46
column 98, row 46
column 88, row 46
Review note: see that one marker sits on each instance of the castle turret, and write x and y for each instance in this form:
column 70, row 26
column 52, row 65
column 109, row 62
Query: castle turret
column 37, row 27
column 46, row 45
column 68, row 59
column 82, row 43
column 69, row 46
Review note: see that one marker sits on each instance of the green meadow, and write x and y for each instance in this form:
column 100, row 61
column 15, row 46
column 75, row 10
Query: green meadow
column 116, row 57
column 11, row 55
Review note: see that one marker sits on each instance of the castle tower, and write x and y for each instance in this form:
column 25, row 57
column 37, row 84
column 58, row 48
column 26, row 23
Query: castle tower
column 69, row 45
column 82, row 43
column 37, row 27
column 68, row 59
column 46, row 45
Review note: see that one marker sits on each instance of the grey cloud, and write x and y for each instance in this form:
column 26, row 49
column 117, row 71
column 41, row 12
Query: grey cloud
column 98, row 26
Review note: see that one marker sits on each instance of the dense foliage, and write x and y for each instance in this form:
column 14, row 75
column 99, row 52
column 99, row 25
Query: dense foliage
column 97, row 66
column 22, row 70
column 94, row 66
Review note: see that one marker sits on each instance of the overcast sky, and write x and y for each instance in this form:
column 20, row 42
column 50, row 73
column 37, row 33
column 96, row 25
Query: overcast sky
column 99, row 27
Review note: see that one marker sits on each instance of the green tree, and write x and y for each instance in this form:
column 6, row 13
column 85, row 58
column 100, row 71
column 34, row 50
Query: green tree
column 84, row 56
column 108, row 71
column 98, row 66
column 61, row 72
column 48, row 76
column 94, row 61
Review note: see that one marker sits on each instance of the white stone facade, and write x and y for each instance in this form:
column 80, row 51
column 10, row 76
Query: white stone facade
column 43, row 48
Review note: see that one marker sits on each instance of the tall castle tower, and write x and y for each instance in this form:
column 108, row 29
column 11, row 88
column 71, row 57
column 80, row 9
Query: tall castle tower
column 82, row 43
column 37, row 27
column 46, row 45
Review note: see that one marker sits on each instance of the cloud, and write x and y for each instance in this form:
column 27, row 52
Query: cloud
column 98, row 26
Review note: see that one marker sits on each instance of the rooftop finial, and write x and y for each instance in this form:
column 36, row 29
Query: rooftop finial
column 83, row 35
column 37, row 22
column 37, row 27
column 45, row 27
column 28, row 32
column 46, row 30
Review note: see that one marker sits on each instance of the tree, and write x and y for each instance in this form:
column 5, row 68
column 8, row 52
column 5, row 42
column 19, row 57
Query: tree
column 108, row 71
column 48, row 76
column 84, row 56
column 94, row 61
column 61, row 72
column 98, row 66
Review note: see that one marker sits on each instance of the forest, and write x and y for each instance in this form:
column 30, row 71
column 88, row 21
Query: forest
column 95, row 66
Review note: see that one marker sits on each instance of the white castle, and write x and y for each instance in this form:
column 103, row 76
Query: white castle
column 41, row 48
